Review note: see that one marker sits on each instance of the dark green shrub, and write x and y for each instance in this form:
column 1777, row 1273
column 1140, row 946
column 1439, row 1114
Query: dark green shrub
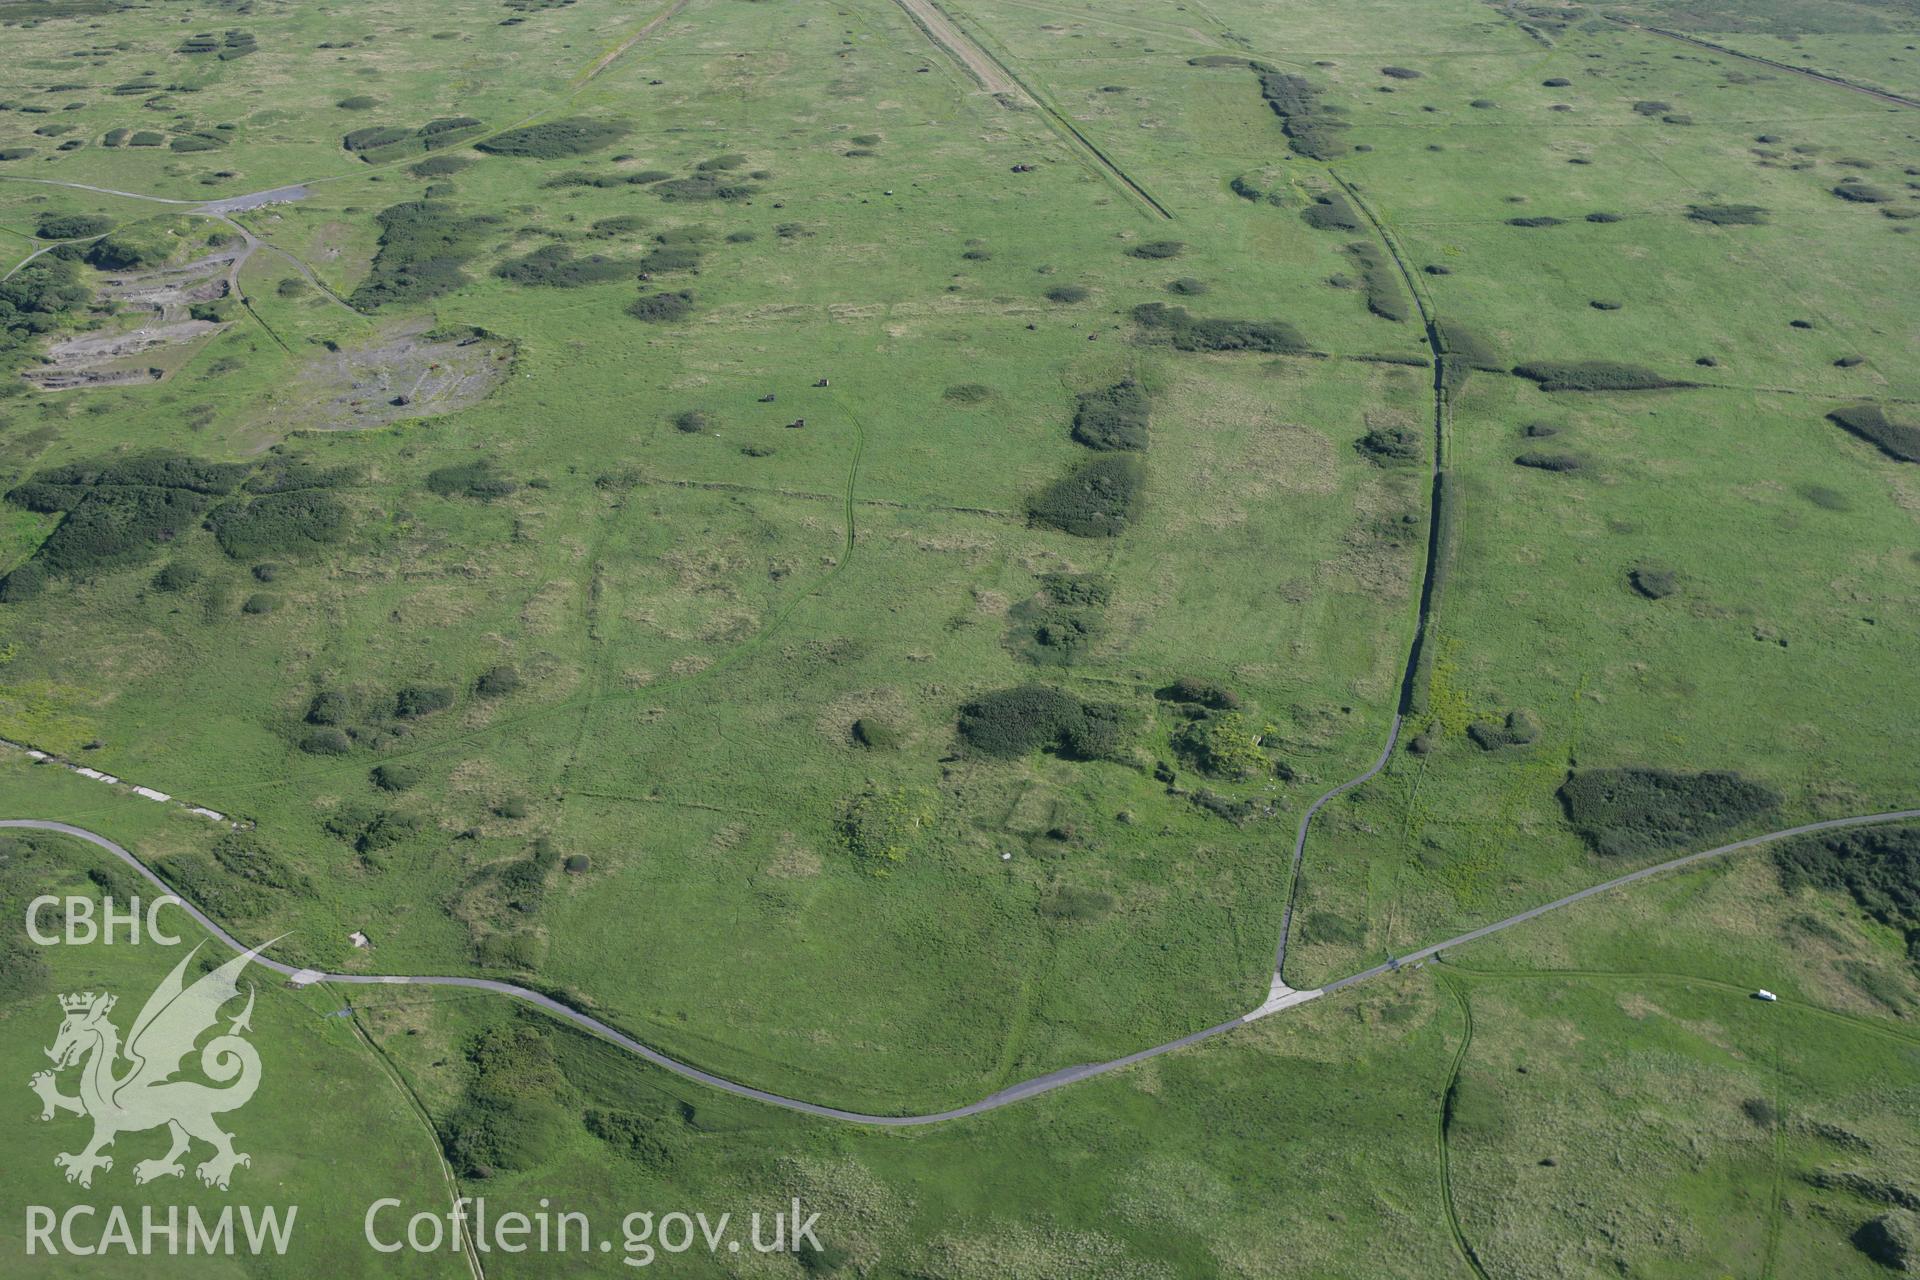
column 440, row 166
column 1332, row 212
column 880, row 826
column 1012, row 722
column 1541, row 220
column 400, row 775
column 1221, row 745
column 260, row 603
column 375, row 138
column 642, row 1139
column 72, row 226
column 23, row 584
column 578, row 864
column 1632, row 811
column 1113, row 417
column 875, row 735
column 1189, row 333
column 328, row 708
column 1056, row 627
column 358, row 102
column 421, row 699
column 692, row 421
column 1393, row 446
column 1728, row 215
column 1517, row 730
column 1892, row 1240
column 555, row 267
column 703, row 186
column 423, row 246
column 279, row 524
column 117, row 254
column 479, row 479
column 1385, row 297
column 1080, row 590
column 497, row 682
column 1187, row 286
column 1869, row 422
column 1550, row 461
column 1154, row 250
column 176, row 577
column 1234, row 811
column 1879, row 867
column 1068, row 293
column 326, row 742
column 1311, row 129
column 671, row 258
column 1653, row 582
column 624, row 224
column 1603, row 217
column 1094, row 500
column 662, row 308
column 1065, row 902
column 1594, row 375
column 570, row 137
column 968, row 393
column 1199, row 692
column 1400, row 73
column 1862, row 192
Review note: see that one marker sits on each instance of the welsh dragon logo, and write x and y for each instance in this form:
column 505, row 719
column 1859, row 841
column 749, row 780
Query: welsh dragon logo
column 143, row 1094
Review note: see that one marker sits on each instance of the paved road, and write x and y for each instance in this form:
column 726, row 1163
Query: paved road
column 1013, row 1093
column 1832, row 824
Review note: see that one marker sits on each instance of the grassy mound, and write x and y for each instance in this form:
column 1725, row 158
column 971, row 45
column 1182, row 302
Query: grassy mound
column 1114, row 417
column 1622, row 812
column 1094, row 500
column 1868, row 421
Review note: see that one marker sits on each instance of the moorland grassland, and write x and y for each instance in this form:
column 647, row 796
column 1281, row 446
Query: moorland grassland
column 704, row 510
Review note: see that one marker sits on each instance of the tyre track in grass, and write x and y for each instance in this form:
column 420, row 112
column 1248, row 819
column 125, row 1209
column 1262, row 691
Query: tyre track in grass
column 1447, row 1098
column 1000, row 80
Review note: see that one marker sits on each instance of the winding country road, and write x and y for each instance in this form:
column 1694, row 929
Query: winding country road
column 1013, row 1093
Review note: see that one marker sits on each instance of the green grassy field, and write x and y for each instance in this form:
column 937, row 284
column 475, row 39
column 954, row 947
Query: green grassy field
column 629, row 657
